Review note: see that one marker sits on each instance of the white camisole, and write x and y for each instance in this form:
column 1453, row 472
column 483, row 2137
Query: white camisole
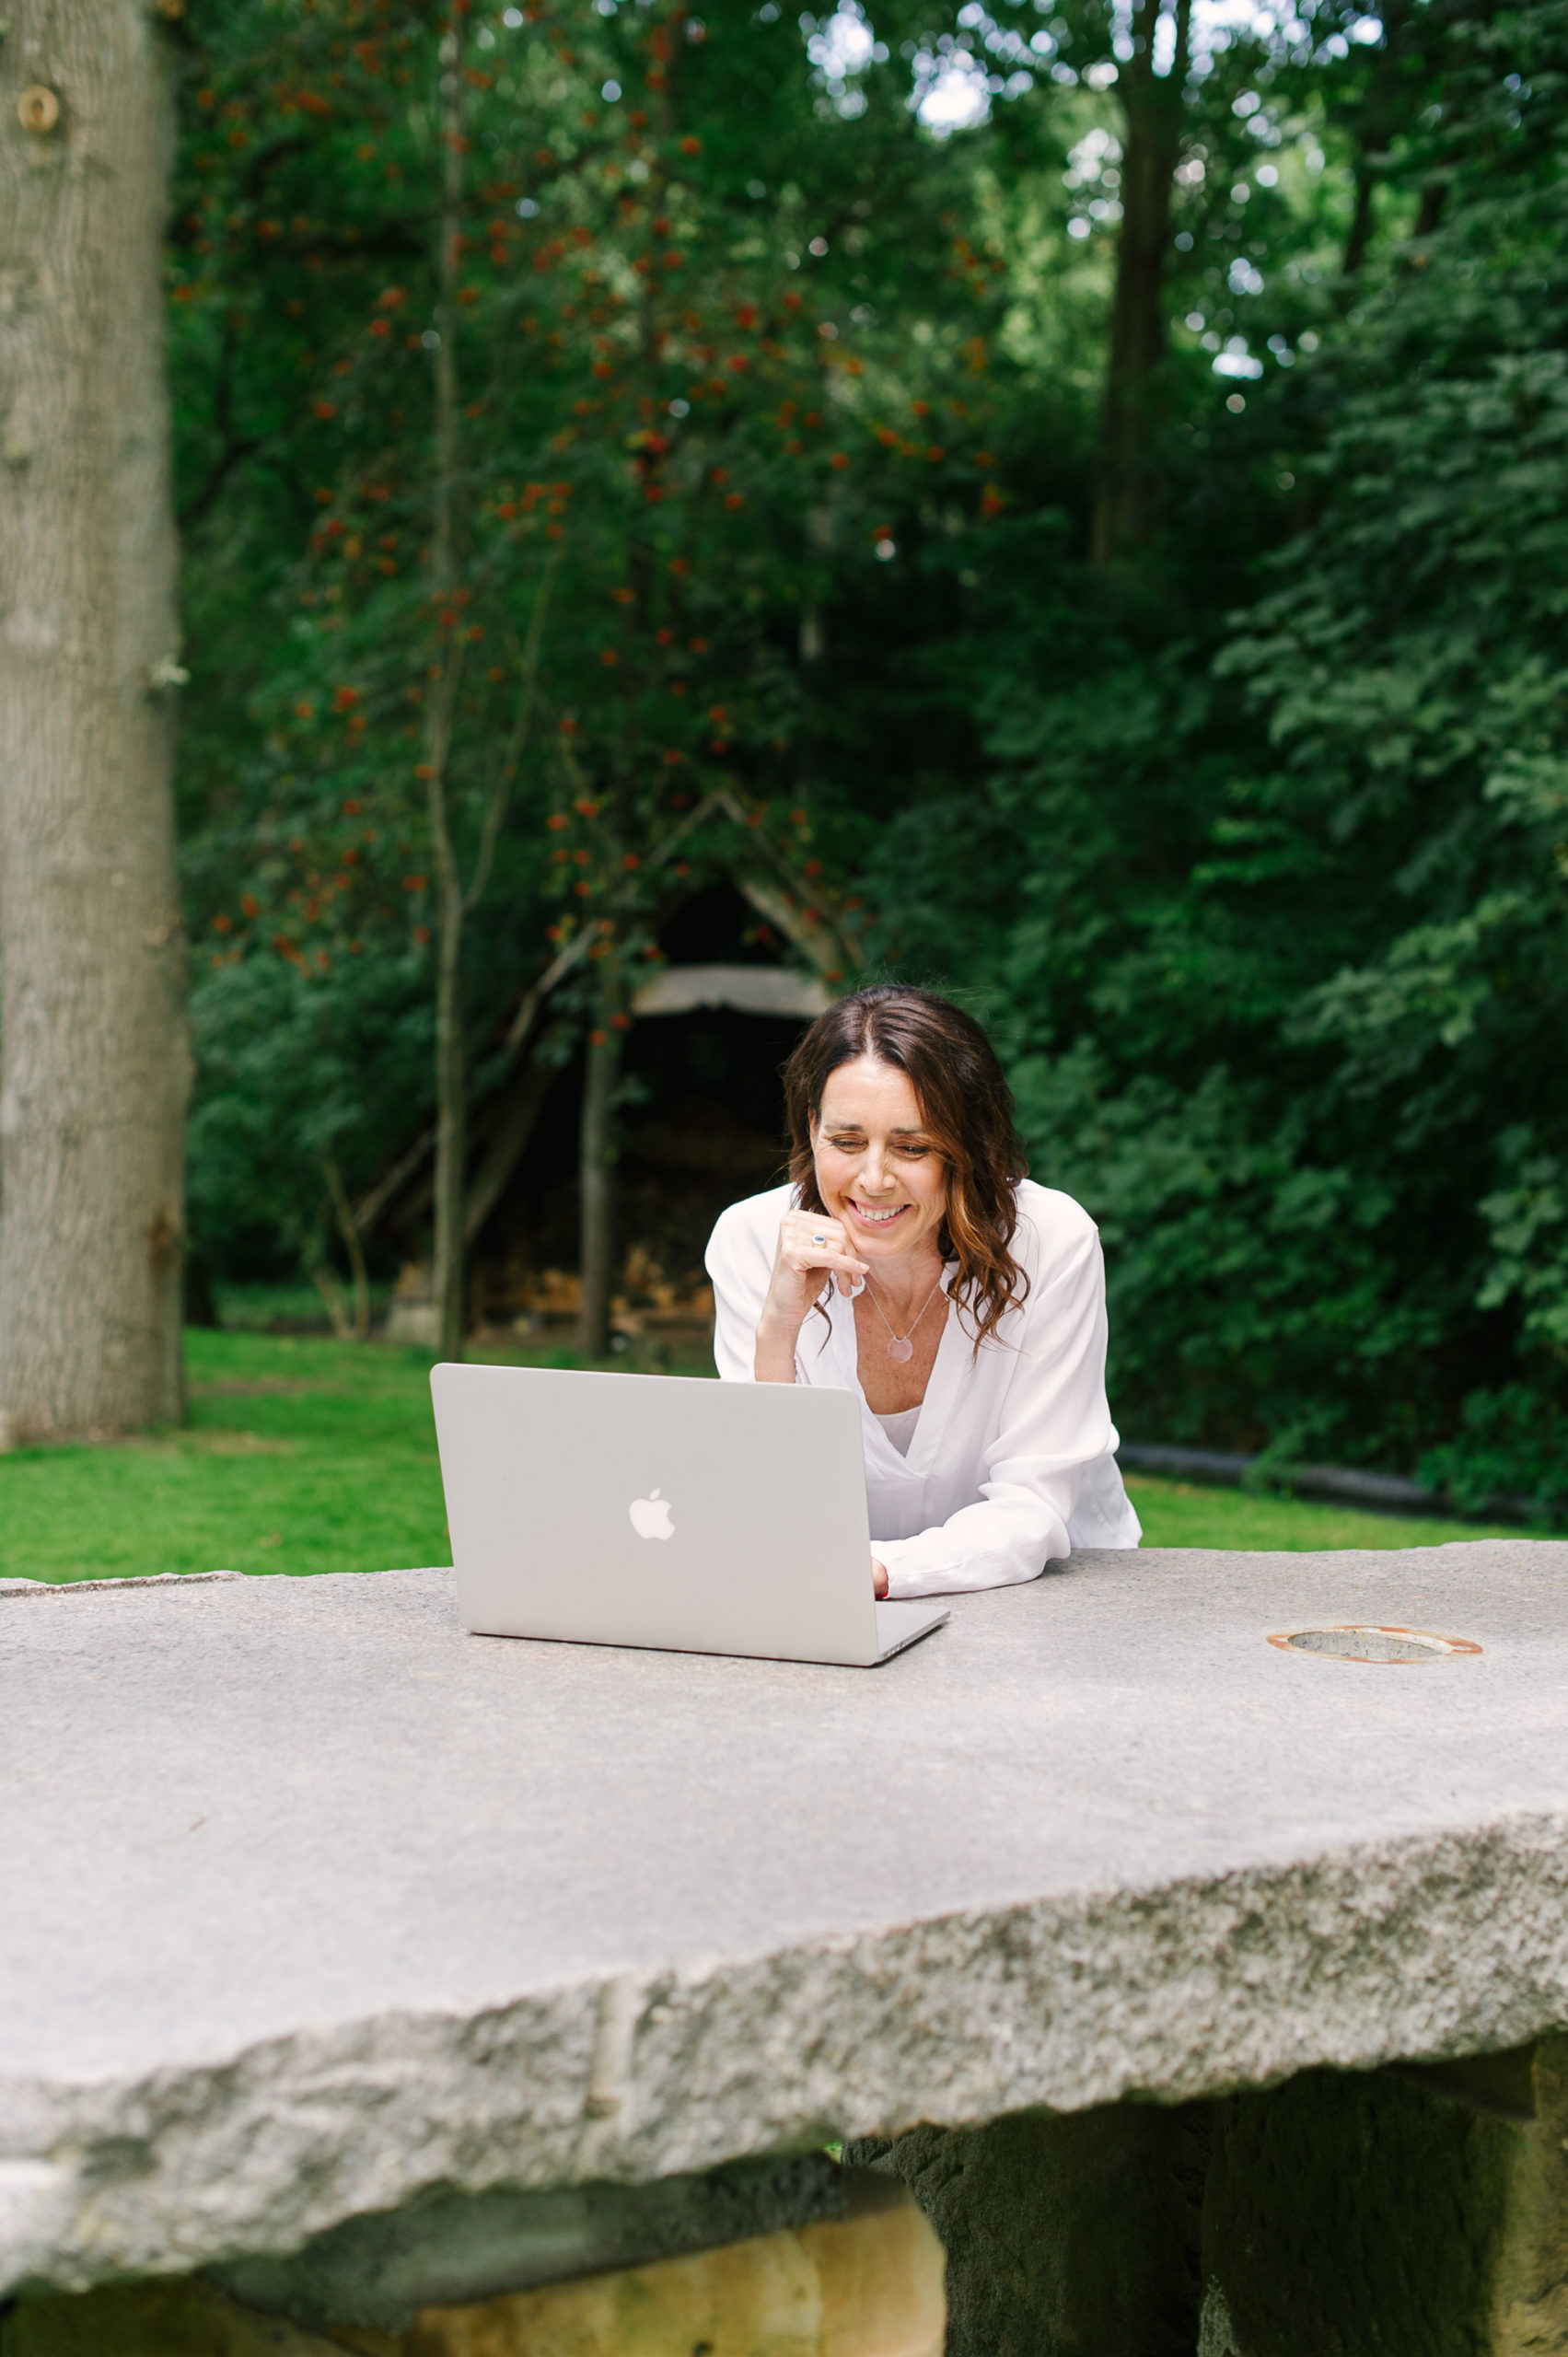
column 899, row 1429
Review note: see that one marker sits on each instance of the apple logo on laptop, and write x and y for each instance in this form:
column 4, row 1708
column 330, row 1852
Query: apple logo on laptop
column 650, row 1516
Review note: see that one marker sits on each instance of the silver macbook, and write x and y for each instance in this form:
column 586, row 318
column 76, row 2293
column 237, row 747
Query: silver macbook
column 657, row 1510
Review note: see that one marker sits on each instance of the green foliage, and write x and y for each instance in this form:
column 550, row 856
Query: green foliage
column 1407, row 665
column 1529, row 1224
column 1272, row 908
column 778, row 426
column 1252, row 1293
column 1510, row 1442
column 295, row 1078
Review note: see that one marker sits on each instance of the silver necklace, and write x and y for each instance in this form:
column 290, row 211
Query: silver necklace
column 900, row 1346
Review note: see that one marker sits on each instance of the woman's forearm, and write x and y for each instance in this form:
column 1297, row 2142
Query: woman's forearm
column 774, row 1360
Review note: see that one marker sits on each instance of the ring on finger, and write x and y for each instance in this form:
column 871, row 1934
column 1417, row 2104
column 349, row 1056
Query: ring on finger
column 819, row 1240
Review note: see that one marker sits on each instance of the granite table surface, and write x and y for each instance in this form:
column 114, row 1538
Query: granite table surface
column 310, row 1903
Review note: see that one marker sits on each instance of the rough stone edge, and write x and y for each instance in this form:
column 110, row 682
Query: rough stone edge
column 1425, row 1946
column 133, row 1579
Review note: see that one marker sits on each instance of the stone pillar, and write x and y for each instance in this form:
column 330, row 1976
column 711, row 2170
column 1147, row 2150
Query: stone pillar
column 1384, row 2214
column 867, row 2285
column 1067, row 2235
column 1417, row 2211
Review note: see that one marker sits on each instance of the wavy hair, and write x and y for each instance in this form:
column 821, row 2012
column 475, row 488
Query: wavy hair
column 966, row 1107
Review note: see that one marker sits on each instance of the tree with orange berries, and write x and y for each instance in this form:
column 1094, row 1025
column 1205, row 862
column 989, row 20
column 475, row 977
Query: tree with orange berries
column 586, row 451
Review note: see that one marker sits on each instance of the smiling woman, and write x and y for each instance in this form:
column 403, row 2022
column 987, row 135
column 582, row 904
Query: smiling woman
column 964, row 1304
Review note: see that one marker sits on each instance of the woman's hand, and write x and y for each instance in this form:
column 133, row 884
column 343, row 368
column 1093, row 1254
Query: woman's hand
column 811, row 1248
column 878, row 1578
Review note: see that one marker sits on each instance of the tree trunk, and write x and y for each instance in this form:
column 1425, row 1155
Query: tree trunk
column 597, row 1245
column 451, row 1124
column 515, row 1121
column 1391, row 103
column 94, row 1062
column 1360, row 236
column 1151, row 109
column 342, row 1212
column 1433, row 197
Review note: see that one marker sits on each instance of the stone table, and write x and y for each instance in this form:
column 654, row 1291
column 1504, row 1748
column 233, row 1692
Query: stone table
column 317, row 1911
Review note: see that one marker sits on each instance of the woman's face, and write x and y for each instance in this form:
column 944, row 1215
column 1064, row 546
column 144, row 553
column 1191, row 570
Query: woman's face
column 877, row 1168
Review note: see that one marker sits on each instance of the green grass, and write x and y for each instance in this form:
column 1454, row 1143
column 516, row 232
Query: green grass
column 293, row 1309
column 315, row 1455
column 1181, row 1513
column 300, row 1455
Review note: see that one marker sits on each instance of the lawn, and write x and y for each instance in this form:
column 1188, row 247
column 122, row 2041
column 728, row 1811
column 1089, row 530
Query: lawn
column 1183, row 1514
column 312, row 1455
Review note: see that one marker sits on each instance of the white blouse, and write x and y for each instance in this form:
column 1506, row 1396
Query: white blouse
column 1013, row 1457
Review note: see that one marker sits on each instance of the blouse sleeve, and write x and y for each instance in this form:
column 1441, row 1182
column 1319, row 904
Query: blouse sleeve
column 740, row 1259
column 1054, row 1421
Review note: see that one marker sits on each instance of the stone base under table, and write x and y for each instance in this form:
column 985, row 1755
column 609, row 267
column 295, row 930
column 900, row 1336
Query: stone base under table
column 1412, row 2213
column 867, row 2283
column 1422, row 2212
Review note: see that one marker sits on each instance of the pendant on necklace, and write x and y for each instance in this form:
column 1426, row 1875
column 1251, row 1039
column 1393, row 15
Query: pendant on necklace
column 902, row 1346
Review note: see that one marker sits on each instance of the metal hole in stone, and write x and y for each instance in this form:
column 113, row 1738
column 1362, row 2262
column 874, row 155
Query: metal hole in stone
column 1370, row 1641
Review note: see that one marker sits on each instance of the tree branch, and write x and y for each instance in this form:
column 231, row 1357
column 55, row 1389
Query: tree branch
column 517, row 1119
column 501, row 794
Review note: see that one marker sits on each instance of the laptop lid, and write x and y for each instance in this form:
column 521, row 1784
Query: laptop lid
column 657, row 1510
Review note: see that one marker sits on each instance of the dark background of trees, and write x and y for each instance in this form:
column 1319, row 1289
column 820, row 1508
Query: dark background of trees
column 1110, row 560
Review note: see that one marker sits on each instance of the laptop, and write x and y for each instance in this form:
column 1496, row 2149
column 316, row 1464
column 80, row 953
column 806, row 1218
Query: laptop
column 664, row 1511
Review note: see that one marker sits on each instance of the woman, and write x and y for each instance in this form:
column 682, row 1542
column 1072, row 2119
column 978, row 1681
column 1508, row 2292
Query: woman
column 908, row 1259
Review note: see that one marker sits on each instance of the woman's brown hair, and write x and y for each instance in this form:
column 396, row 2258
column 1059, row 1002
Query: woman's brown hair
column 966, row 1107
